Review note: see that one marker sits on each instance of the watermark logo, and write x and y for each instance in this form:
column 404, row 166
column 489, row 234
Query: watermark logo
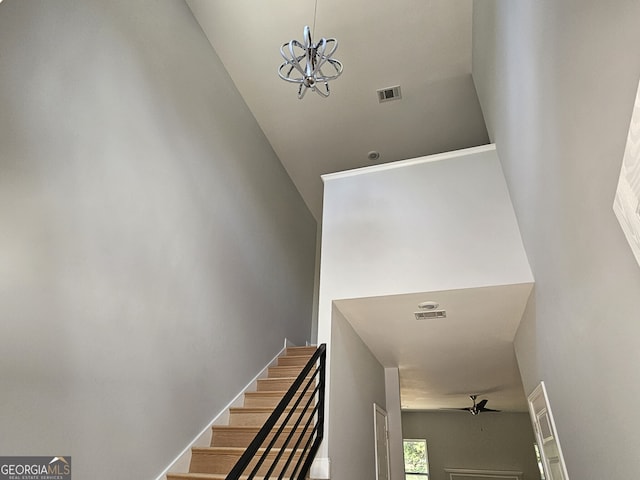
column 35, row 468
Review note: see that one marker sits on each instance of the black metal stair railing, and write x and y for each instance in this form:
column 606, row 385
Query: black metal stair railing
column 302, row 409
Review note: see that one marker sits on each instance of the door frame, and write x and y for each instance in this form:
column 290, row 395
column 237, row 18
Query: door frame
column 377, row 409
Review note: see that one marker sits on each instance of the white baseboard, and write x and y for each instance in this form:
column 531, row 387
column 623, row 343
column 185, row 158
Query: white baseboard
column 320, row 469
column 203, row 439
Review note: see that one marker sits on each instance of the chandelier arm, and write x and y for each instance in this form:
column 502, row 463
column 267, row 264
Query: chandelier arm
column 284, row 55
column 334, row 46
column 322, row 78
column 338, row 68
column 286, row 77
column 320, row 56
column 307, row 37
column 289, row 46
column 321, row 93
column 301, row 91
column 295, row 64
column 294, row 59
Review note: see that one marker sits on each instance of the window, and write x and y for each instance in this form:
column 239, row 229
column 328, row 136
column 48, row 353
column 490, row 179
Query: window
column 416, row 464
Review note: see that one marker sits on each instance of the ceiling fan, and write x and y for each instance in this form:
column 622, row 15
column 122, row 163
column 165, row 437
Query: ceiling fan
column 479, row 407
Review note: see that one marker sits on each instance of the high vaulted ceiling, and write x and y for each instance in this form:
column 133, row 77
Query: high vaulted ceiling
column 422, row 45
column 425, row 47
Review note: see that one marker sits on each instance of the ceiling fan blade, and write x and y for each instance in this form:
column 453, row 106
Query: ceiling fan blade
column 482, row 403
column 488, row 410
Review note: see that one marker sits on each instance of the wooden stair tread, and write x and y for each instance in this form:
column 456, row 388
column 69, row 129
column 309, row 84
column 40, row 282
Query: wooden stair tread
column 294, row 360
column 265, row 384
column 291, row 370
column 270, row 398
column 300, row 351
column 272, row 393
column 235, row 450
column 205, row 476
column 276, row 379
column 259, row 409
column 242, row 428
column 266, row 393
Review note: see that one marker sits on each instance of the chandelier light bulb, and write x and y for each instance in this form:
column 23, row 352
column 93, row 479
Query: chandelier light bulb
column 303, row 64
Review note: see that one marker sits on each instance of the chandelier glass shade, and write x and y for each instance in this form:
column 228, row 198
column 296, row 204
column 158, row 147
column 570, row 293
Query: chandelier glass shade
column 304, row 63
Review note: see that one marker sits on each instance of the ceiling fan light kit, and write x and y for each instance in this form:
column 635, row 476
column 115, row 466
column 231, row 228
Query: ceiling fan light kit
column 479, row 407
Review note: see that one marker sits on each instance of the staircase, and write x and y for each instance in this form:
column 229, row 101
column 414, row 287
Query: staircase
column 229, row 442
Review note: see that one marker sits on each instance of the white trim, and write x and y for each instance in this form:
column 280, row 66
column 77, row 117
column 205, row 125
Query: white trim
column 181, row 463
column 455, row 473
column 320, row 469
column 541, row 392
column 412, row 161
column 378, row 409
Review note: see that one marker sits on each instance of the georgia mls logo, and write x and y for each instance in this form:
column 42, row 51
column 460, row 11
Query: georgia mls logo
column 35, row 468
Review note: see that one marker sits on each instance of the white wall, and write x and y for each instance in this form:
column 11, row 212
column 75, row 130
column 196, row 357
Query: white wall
column 358, row 380
column 394, row 419
column 556, row 81
column 153, row 251
column 433, row 223
column 493, row 441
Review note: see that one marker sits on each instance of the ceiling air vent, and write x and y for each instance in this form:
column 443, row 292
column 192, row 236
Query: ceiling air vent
column 389, row 93
column 426, row 314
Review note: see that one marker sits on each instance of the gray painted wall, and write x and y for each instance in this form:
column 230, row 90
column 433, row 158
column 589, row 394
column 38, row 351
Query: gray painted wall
column 557, row 81
column 493, row 441
column 357, row 381
column 153, row 252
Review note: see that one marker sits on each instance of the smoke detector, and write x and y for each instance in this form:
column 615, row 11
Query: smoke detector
column 428, row 305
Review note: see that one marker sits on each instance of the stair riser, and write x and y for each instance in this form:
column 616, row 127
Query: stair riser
column 262, row 399
column 265, row 399
column 287, row 371
column 293, row 361
column 274, row 384
column 223, row 463
column 257, row 419
column 298, row 351
column 230, row 438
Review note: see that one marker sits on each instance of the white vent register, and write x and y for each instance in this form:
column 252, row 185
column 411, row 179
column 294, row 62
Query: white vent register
column 426, row 314
column 389, row 93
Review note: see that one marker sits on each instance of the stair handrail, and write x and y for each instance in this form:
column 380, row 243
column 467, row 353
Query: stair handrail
column 303, row 464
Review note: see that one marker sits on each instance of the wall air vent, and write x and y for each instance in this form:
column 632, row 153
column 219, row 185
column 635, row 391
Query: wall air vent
column 427, row 314
column 389, row 93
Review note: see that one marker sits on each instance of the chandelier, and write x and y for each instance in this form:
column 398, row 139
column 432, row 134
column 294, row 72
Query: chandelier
column 303, row 64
